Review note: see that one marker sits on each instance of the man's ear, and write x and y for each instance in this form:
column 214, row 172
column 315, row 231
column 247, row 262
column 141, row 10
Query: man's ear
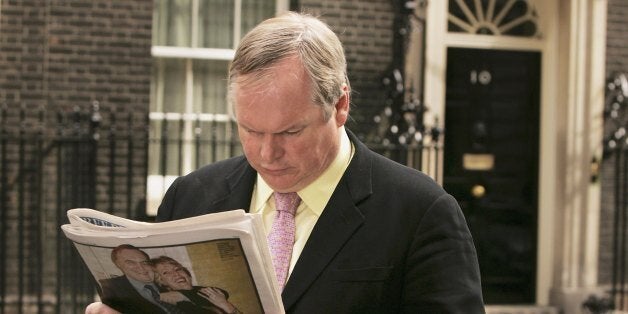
column 342, row 107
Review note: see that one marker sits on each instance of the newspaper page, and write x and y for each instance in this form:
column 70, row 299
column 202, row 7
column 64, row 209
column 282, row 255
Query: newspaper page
column 216, row 263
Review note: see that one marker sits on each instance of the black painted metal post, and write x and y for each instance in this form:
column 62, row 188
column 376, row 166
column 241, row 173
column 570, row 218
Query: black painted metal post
column 3, row 205
column 20, row 211
column 616, row 146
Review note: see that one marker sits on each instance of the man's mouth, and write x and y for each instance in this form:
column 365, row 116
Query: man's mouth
column 275, row 172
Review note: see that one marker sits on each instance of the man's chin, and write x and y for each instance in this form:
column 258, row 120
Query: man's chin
column 279, row 183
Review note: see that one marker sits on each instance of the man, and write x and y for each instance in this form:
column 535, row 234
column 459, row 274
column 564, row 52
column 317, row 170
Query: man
column 372, row 236
column 135, row 290
column 177, row 281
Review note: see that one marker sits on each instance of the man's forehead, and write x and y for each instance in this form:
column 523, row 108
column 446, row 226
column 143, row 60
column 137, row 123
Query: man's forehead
column 254, row 89
column 132, row 254
column 287, row 73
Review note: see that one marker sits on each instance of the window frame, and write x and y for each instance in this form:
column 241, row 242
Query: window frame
column 157, row 184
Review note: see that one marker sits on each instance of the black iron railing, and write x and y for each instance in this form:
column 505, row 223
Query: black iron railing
column 49, row 163
column 616, row 157
column 616, row 148
column 88, row 157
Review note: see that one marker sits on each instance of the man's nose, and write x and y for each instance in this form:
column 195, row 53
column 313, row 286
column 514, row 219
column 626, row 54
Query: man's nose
column 271, row 148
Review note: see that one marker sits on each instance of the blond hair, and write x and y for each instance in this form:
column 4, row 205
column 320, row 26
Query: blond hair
column 293, row 34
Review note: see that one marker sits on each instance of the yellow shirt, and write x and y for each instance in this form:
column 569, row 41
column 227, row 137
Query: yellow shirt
column 314, row 198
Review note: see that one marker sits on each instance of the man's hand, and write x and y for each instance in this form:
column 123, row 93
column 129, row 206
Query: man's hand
column 99, row 308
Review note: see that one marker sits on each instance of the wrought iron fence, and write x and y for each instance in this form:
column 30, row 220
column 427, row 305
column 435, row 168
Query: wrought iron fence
column 616, row 157
column 49, row 163
column 83, row 157
column 616, row 149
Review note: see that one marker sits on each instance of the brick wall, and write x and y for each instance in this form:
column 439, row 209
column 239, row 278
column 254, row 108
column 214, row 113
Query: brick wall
column 69, row 55
column 366, row 31
column 64, row 56
column 616, row 61
column 617, row 36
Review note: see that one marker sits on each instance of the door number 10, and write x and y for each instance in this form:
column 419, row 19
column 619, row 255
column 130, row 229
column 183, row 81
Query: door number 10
column 483, row 77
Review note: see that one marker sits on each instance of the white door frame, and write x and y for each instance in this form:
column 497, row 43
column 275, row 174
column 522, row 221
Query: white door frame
column 572, row 47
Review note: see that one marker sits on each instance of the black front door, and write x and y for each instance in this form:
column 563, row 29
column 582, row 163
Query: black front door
column 491, row 163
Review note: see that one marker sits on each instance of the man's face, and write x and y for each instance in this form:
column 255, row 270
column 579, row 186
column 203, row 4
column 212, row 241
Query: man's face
column 173, row 276
column 283, row 133
column 134, row 265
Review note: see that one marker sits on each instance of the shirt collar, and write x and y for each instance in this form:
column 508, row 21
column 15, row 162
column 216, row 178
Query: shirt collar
column 316, row 194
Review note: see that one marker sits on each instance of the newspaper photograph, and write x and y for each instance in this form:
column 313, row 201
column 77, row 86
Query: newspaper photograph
column 217, row 264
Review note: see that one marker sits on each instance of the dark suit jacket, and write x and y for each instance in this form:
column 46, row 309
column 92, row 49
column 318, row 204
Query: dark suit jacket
column 118, row 293
column 390, row 240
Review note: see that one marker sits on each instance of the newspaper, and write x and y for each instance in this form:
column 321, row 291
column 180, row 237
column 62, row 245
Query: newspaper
column 225, row 256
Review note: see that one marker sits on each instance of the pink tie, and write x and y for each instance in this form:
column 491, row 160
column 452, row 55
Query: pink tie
column 281, row 236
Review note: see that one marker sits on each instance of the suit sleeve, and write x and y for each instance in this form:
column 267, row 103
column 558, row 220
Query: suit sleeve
column 182, row 199
column 165, row 210
column 442, row 272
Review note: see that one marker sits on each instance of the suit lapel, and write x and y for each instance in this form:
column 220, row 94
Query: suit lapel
column 237, row 190
column 338, row 222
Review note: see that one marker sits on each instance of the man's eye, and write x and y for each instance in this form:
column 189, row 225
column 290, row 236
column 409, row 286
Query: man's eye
column 293, row 132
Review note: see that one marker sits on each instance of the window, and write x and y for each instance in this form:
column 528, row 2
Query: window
column 190, row 124
column 493, row 17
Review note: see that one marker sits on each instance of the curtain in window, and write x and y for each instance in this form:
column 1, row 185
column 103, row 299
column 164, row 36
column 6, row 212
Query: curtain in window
column 253, row 12
column 190, row 124
column 210, row 86
column 215, row 24
column 172, row 23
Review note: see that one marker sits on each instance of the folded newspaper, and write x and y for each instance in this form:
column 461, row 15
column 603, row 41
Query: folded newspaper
column 215, row 263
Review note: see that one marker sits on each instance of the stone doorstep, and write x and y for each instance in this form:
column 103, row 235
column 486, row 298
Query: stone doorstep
column 520, row 309
column 529, row 309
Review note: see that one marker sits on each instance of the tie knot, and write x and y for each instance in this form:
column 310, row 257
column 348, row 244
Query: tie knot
column 287, row 202
column 153, row 291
